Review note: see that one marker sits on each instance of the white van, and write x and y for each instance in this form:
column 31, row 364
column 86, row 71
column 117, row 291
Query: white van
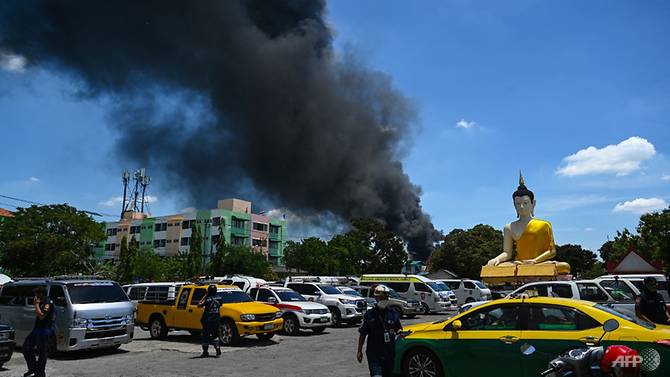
column 434, row 296
column 638, row 282
column 468, row 291
column 244, row 282
column 152, row 291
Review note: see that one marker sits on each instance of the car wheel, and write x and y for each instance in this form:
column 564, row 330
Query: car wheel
column 421, row 363
column 265, row 336
column 426, row 309
column 291, row 325
column 318, row 330
column 157, row 329
column 228, row 333
column 469, row 300
column 336, row 316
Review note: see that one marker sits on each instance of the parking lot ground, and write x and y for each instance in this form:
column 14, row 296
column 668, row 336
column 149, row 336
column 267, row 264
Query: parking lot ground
column 332, row 353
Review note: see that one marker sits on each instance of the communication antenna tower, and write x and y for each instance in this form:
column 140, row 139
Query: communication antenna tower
column 135, row 202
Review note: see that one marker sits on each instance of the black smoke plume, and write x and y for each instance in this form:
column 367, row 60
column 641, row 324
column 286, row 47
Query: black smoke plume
column 259, row 104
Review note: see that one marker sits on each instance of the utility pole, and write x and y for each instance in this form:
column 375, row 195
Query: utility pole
column 125, row 176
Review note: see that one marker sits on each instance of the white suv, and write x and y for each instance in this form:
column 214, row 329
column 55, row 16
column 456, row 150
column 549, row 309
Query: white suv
column 344, row 308
column 297, row 311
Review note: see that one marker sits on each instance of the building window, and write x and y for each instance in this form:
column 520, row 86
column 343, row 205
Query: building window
column 274, row 245
column 169, row 241
column 215, row 239
column 216, row 221
column 110, row 247
column 261, row 227
column 134, row 229
column 257, row 242
column 275, row 229
column 237, row 223
column 187, row 224
column 238, row 241
column 111, row 232
column 160, row 227
column 185, row 241
column 159, row 243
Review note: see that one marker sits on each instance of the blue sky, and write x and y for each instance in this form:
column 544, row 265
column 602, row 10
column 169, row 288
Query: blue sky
column 500, row 86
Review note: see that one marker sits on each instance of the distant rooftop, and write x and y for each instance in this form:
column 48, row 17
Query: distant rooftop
column 5, row 213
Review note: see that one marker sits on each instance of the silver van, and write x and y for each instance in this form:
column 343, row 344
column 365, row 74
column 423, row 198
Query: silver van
column 89, row 313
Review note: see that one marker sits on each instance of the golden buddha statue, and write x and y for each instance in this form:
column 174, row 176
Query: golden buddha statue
column 527, row 242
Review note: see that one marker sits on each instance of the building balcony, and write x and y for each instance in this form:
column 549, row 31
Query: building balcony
column 275, row 236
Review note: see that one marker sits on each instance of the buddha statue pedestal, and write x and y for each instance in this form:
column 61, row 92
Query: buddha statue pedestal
column 513, row 274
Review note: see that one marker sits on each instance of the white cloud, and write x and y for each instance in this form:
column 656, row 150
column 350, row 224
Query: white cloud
column 621, row 159
column 588, row 229
column 12, row 62
column 116, row 201
column 641, row 206
column 187, row 210
column 665, row 177
column 564, row 203
column 111, row 202
column 464, row 124
column 32, row 180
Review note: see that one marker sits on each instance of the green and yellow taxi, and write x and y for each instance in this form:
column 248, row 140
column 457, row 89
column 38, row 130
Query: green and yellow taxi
column 489, row 339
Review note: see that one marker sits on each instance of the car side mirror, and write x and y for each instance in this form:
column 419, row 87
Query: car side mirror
column 272, row 300
column 610, row 325
column 456, row 325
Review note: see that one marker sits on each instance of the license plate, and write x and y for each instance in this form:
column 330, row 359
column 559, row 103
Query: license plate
column 324, row 320
column 106, row 342
column 269, row 326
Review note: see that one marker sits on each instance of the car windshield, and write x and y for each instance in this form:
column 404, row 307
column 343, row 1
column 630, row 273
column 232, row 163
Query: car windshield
column 290, row 296
column 329, row 289
column 480, row 285
column 231, row 296
column 96, row 292
column 635, row 320
column 438, row 286
column 349, row 291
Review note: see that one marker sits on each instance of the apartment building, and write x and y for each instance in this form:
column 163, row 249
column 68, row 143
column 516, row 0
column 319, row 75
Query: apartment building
column 170, row 235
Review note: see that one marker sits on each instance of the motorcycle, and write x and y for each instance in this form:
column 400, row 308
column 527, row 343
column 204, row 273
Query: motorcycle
column 594, row 361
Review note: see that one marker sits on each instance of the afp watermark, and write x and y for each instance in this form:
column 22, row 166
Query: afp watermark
column 648, row 360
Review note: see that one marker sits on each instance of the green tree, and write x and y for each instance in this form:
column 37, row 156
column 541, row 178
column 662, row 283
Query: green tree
column 466, row 251
column 49, row 240
column 615, row 249
column 239, row 260
column 581, row 260
column 127, row 256
column 385, row 250
column 654, row 237
column 148, row 266
column 194, row 261
column 350, row 254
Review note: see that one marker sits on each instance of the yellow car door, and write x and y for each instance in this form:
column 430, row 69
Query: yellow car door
column 487, row 343
column 554, row 329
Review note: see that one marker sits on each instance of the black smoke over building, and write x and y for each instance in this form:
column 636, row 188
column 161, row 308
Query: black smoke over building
column 259, row 104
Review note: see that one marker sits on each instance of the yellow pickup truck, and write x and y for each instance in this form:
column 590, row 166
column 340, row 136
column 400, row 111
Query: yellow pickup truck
column 240, row 315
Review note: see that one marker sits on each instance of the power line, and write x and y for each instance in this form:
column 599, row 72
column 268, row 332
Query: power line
column 92, row 213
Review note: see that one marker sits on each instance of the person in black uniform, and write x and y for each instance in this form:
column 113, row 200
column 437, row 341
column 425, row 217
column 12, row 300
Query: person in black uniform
column 380, row 325
column 35, row 344
column 210, row 321
column 650, row 305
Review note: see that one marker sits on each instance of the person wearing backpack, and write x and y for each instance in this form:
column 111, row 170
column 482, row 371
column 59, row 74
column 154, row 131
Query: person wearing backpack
column 35, row 345
column 210, row 320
